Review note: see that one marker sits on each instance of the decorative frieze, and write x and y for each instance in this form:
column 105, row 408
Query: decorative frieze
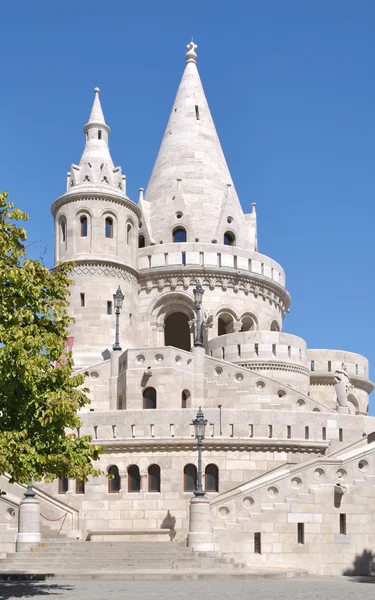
column 269, row 291
column 274, row 366
column 104, row 270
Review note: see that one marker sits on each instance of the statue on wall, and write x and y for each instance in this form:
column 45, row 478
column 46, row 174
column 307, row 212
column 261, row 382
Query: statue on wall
column 343, row 387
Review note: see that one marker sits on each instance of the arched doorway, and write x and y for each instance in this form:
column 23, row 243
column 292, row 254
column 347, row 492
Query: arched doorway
column 176, row 331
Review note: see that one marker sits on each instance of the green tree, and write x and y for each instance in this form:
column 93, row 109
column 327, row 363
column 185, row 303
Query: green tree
column 39, row 395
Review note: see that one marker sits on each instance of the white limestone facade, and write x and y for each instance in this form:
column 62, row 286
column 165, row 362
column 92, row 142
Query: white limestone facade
column 289, row 453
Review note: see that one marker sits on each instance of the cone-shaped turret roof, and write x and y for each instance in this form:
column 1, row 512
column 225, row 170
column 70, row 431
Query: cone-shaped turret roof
column 190, row 175
column 96, row 167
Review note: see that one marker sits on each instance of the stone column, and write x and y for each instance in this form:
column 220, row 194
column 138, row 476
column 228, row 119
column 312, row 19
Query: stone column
column 198, row 396
column 113, row 379
column 29, row 522
column 200, row 537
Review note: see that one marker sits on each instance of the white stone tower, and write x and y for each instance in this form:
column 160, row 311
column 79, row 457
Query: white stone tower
column 96, row 227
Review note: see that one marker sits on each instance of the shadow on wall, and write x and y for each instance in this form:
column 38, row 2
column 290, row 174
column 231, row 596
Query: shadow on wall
column 363, row 566
column 27, row 589
column 169, row 522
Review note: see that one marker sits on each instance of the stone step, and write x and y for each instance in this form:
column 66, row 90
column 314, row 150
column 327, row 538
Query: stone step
column 153, row 574
column 56, row 557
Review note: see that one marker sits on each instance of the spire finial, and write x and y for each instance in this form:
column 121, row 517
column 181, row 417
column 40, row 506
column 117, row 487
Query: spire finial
column 191, row 55
column 96, row 115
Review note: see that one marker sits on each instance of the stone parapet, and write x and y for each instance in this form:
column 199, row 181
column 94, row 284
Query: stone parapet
column 225, row 258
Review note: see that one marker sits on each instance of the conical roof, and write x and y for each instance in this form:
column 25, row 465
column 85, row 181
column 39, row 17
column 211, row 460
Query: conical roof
column 190, row 174
column 96, row 167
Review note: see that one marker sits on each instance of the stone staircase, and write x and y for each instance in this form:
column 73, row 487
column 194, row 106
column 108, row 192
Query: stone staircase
column 71, row 559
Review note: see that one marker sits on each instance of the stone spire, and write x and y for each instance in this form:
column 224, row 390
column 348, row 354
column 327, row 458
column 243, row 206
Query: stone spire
column 96, row 167
column 190, row 175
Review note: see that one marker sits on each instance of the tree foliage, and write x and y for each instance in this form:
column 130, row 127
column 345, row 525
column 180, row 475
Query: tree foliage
column 39, row 395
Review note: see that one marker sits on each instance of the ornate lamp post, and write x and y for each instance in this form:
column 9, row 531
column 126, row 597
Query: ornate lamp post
column 118, row 299
column 200, row 428
column 198, row 292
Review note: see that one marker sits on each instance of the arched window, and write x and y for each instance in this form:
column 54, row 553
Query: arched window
column 84, row 222
column 185, row 398
column 179, row 235
column 275, row 326
column 225, row 324
column 62, row 230
column 109, row 227
column 134, row 479
column 80, row 486
column 190, row 478
column 128, row 233
column 141, row 241
column 229, row 239
column 149, row 398
column 211, row 476
column 247, row 324
column 63, row 484
column 154, row 478
column 114, row 484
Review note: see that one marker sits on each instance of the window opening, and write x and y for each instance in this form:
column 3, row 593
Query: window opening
column 229, row 239
column 288, row 432
column 80, row 486
column 341, row 435
column 184, row 398
column 83, row 221
column 197, row 112
column 63, row 230
column 342, row 524
column 63, row 484
column 307, row 433
column 114, row 484
column 329, row 366
column 82, row 297
column 257, row 543
column 149, row 398
column 99, row 134
column 301, row 533
column 190, row 478
column 179, row 235
column 154, row 478
column 313, row 365
column 212, row 478
column 109, row 227
column 109, row 307
column 141, row 241
column 134, row 479
column 128, row 233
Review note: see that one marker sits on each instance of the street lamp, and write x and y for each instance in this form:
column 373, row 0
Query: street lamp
column 198, row 292
column 200, row 427
column 118, row 299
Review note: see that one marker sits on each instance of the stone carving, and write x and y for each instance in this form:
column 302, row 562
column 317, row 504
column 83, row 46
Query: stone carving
column 208, row 320
column 106, row 270
column 343, row 386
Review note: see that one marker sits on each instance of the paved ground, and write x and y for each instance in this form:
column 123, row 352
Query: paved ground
column 294, row 589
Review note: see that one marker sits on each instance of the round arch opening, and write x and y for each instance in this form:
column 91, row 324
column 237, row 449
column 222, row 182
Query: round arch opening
column 177, row 331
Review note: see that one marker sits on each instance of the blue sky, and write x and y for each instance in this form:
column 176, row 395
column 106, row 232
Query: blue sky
column 292, row 91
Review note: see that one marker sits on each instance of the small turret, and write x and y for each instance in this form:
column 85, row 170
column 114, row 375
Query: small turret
column 96, row 227
column 96, row 165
